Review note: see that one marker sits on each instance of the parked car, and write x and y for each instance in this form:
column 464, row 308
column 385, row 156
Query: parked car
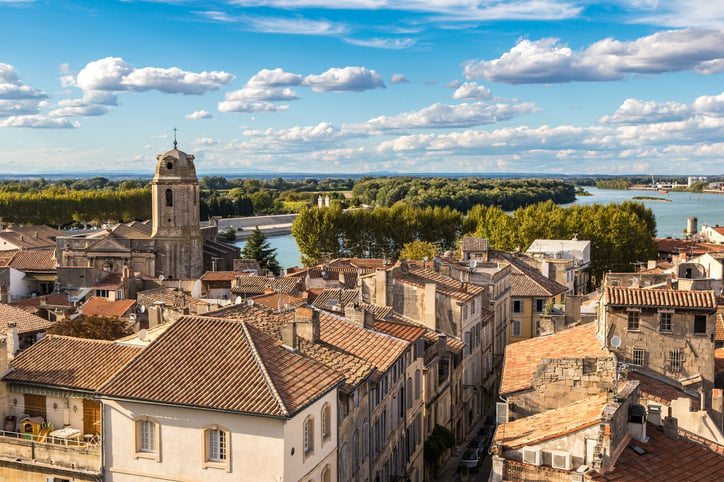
column 470, row 459
column 481, row 443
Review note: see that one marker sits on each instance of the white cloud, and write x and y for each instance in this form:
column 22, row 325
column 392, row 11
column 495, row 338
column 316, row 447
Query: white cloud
column 681, row 13
column 634, row 111
column 274, row 78
column 399, row 79
column 38, row 122
column 205, row 141
column 712, row 105
column 383, row 43
column 198, row 114
column 295, row 26
column 18, row 107
column 12, row 88
column 248, row 107
column 548, row 61
column 262, row 94
column 86, row 110
column 116, row 75
column 472, row 91
column 348, row 79
column 93, row 103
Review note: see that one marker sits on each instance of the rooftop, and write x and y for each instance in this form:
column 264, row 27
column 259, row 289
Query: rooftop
column 696, row 299
column 522, row 358
column 26, row 322
column 98, row 306
column 419, row 276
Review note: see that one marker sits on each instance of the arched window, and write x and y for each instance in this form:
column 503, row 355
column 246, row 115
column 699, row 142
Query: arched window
column 217, row 441
column 343, row 463
column 169, row 197
column 326, row 474
column 355, row 451
column 326, row 422
column 308, row 435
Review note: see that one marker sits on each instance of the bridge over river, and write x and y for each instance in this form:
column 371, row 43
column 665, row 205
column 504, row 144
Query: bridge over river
column 275, row 225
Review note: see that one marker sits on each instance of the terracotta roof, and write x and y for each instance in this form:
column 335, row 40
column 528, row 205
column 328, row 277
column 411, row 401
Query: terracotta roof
column 110, row 281
column 552, row 423
column 170, row 298
column 719, row 359
column 418, row 276
column 344, row 345
column 63, row 361
column 474, row 244
column 526, row 281
column 249, row 372
column 34, row 260
column 336, row 299
column 37, row 231
column 378, row 312
column 676, row 246
column 657, row 391
column 219, row 276
column 665, row 458
column 696, row 299
column 719, row 335
column 242, row 265
column 277, row 301
column 257, row 285
column 431, row 336
column 26, row 322
column 51, row 299
column 99, row 306
column 31, row 237
column 522, row 358
column 404, row 331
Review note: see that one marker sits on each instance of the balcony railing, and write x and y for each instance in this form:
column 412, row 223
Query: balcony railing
column 83, row 455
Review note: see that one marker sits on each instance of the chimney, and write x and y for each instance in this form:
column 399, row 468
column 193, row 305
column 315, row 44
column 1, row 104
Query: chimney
column 357, row 315
column 155, row 315
column 429, row 305
column 36, row 235
column 441, row 344
column 12, row 343
column 380, row 297
column 307, row 320
column 671, row 427
column 289, row 336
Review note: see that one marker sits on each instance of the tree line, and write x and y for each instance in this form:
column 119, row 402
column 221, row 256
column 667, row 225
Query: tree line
column 620, row 234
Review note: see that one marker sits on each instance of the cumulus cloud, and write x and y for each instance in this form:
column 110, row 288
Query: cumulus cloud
column 548, row 61
column 449, row 116
column 634, row 111
column 38, row 122
column 249, row 107
column 399, row 79
column 262, row 94
column 347, row 79
column 93, row 103
column 115, row 75
column 274, row 78
column 472, row 91
column 198, row 114
column 11, row 88
column 712, row 105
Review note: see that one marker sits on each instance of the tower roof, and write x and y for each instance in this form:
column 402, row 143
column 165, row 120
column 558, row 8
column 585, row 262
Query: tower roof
column 175, row 166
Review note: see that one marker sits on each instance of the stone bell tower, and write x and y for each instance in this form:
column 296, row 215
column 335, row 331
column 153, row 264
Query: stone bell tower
column 176, row 229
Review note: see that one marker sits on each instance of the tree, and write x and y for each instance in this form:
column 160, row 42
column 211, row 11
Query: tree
column 418, row 250
column 95, row 327
column 258, row 248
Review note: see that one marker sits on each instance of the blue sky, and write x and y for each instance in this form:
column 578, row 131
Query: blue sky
column 354, row 86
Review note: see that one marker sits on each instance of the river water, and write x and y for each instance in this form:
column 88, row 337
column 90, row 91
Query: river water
column 671, row 217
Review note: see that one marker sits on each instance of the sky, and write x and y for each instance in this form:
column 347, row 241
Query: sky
column 363, row 86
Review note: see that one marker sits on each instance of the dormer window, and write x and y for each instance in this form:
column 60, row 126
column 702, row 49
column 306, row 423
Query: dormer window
column 169, row 165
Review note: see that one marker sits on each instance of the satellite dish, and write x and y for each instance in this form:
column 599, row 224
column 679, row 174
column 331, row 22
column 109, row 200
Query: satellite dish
column 237, row 301
column 250, row 302
column 161, row 277
column 142, row 309
column 473, row 264
column 615, row 341
column 143, row 335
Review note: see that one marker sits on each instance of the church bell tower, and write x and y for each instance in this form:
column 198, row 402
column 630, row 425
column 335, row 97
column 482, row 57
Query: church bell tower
column 176, row 228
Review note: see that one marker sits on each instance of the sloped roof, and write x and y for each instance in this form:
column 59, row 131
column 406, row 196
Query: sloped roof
column 378, row 312
column 170, row 297
column 99, row 306
column 277, row 301
column 63, row 361
column 219, row 276
column 249, row 372
column 34, row 302
column 26, row 322
column 526, row 281
column 676, row 246
column 110, row 281
column 522, row 358
column 474, row 244
column 431, row 336
column 253, row 284
column 419, row 276
column 656, row 390
column 666, row 458
column 34, row 260
column 551, row 423
column 336, row 299
column 695, row 299
column 404, row 331
column 719, row 335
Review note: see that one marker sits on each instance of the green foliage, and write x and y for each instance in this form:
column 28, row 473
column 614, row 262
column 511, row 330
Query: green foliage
column 418, row 250
column 229, row 235
column 437, row 443
column 94, row 327
column 258, row 248
column 621, row 184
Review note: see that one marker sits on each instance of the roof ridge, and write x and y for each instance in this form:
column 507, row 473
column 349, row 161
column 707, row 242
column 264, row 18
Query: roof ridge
column 262, row 368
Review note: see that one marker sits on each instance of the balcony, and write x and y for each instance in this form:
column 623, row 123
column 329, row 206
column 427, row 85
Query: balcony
column 82, row 456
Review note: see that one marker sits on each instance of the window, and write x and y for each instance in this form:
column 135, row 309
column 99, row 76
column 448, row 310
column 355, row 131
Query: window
column 147, row 432
column 639, row 357
column 216, row 447
column 417, row 384
column 665, row 321
column 326, row 421
column 539, row 306
column 700, row 324
column 169, row 198
column 308, row 435
column 633, row 320
column 355, row 451
column 537, row 327
column 517, row 306
column 516, row 328
column 327, row 474
column 676, row 360
column 343, row 463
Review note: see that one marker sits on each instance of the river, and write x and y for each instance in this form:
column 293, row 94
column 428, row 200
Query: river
column 671, row 217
